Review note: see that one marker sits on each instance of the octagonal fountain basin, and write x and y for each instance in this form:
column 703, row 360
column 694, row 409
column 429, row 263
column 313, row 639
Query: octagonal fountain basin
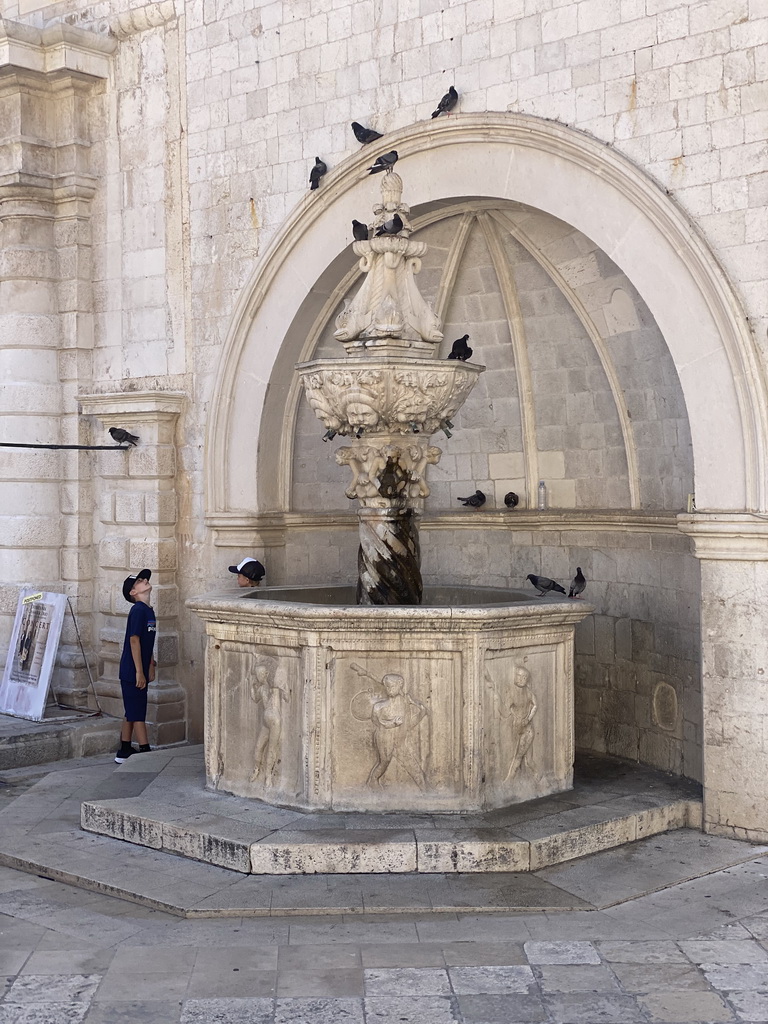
column 463, row 703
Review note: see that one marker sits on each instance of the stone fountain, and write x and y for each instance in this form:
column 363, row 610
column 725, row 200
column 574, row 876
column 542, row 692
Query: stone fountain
column 385, row 696
column 389, row 394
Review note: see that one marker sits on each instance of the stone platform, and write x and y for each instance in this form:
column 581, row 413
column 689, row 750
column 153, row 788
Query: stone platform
column 612, row 803
column 40, row 834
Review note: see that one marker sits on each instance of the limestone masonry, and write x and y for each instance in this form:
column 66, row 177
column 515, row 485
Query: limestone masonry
column 596, row 215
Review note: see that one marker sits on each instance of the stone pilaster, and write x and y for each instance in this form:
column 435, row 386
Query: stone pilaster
column 733, row 550
column 137, row 529
column 47, row 81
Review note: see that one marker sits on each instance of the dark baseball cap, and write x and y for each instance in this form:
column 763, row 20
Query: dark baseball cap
column 251, row 568
column 129, row 581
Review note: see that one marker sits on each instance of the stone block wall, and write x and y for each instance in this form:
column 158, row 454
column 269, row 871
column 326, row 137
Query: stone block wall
column 548, row 307
column 638, row 671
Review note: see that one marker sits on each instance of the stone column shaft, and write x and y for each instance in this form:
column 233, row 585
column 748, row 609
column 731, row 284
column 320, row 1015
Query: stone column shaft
column 734, row 645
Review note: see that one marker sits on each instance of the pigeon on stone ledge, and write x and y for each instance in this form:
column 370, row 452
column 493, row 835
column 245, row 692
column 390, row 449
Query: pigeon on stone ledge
column 359, row 231
column 511, row 500
column 364, row 135
column 474, row 501
column 448, row 102
column 577, row 584
column 316, row 173
column 385, row 162
column 460, row 349
column 544, row 584
column 122, row 436
column 391, row 227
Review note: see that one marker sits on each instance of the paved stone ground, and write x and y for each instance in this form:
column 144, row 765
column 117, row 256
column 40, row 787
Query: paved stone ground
column 693, row 952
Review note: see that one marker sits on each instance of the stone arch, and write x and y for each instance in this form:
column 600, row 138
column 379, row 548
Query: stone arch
column 543, row 165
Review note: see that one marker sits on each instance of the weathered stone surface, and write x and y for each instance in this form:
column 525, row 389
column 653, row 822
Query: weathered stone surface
column 325, row 853
column 427, row 708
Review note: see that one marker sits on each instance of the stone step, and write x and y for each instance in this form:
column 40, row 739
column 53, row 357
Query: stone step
column 62, row 736
column 176, row 815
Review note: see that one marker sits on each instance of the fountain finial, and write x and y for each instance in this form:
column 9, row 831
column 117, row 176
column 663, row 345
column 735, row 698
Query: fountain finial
column 391, row 188
column 389, row 314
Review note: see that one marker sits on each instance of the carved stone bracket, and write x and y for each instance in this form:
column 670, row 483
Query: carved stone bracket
column 391, row 474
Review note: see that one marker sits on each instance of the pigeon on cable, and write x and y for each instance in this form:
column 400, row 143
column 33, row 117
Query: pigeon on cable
column 474, row 501
column 384, row 163
column 359, row 231
column 577, row 584
column 316, row 173
column 122, row 436
column 460, row 349
column 544, row 584
column 511, row 500
column 448, row 102
column 391, row 227
column 364, row 135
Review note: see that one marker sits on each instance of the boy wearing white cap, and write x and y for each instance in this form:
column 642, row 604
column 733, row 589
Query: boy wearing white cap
column 250, row 572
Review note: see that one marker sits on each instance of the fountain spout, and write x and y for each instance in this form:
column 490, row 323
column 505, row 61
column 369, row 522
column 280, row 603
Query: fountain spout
column 388, row 395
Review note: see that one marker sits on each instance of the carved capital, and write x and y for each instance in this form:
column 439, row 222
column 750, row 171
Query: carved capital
column 389, row 475
column 722, row 537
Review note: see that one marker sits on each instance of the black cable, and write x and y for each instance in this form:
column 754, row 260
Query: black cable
column 73, row 447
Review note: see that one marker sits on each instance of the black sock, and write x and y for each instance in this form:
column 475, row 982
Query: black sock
column 144, row 747
column 125, row 745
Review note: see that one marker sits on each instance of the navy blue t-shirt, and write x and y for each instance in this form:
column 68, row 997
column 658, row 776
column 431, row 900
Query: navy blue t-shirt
column 141, row 623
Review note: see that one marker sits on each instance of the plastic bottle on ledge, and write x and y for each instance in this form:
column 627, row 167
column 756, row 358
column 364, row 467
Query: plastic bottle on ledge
column 542, row 495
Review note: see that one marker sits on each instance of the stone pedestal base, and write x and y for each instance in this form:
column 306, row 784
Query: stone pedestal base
column 348, row 708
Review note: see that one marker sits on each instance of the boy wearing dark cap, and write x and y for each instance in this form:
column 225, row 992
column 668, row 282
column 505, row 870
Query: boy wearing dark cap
column 250, row 572
column 137, row 665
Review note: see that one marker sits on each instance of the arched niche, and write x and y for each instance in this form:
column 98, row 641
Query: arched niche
column 540, row 164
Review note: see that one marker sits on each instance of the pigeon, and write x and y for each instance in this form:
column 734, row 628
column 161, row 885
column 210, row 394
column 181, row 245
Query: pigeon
column 359, row 231
column 316, row 173
column 384, row 163
column 364, row 135
column 391, row 227
column 511, row 500
column 122, row 436
column 474, row 501
column 577, row 584
column 544, row 584
column 448, row 102
column 461, row 349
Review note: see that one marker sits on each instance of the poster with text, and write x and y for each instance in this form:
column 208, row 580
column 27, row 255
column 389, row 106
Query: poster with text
column 31, row 654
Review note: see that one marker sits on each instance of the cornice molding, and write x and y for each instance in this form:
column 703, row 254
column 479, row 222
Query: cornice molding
column 148, row 405
column 725, row 537
column 237, row 528
column 55, row 49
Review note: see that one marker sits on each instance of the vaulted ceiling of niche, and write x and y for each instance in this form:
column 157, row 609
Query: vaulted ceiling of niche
column 580, row 389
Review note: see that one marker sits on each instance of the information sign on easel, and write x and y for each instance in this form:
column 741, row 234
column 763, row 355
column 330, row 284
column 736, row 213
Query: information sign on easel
column 32, row 653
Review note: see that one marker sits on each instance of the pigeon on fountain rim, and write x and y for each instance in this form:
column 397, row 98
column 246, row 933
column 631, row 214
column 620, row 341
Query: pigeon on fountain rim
column 544, row 584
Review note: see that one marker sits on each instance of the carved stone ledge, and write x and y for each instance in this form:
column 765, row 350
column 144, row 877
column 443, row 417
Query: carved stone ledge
column 723, row 537
column 59, row 47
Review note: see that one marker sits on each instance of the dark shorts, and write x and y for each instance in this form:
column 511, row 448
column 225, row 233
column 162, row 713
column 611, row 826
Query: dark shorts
column 135, row 701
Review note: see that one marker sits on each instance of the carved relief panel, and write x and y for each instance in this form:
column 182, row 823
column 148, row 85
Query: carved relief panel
column 401, row 716
column 258, row 691
column 527, row 750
